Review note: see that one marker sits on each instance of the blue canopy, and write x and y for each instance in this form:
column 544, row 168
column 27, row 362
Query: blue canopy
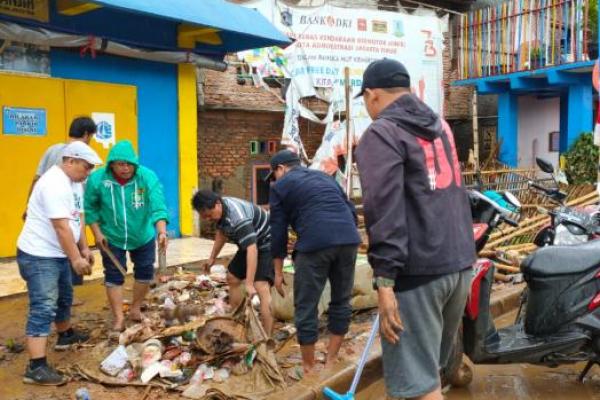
column 239, row 28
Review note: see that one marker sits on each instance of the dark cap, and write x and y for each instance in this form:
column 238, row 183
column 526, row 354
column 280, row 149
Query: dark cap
column 384, row 73
column 282, row 157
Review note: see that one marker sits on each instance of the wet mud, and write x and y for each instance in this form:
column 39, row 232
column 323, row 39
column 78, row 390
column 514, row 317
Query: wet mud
column 515, row 382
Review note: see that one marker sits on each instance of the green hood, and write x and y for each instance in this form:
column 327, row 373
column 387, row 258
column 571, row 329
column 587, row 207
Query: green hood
column 123, row 151
column 127, row 214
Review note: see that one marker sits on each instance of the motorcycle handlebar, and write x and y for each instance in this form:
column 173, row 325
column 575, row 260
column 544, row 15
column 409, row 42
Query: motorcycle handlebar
column 539, row 187
column 510, row 221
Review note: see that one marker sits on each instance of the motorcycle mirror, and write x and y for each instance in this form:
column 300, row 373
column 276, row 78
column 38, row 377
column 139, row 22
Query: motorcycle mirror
column 512, row 199
column 544, row 165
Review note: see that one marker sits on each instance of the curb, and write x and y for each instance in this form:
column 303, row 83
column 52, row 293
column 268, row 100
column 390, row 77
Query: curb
column 340, row 377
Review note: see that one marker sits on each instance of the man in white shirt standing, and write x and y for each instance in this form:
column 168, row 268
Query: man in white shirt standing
column 52, row 241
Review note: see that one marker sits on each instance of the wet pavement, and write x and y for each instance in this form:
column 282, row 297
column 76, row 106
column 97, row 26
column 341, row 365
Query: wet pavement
column 516, row 382
column 490, row 382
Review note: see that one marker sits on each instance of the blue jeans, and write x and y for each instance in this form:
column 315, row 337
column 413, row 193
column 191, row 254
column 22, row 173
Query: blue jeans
column 143, row 264
column 50, row 291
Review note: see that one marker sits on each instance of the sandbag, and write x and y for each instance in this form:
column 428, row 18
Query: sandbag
column 283, row 307
column 363, row 295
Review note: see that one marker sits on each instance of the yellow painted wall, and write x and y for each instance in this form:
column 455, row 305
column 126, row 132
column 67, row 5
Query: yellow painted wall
column 19, row 155
column 188, row 145
column 85, row 98
column 63, row 100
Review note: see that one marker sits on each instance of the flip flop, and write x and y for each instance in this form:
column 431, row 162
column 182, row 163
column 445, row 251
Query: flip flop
column 115, row 334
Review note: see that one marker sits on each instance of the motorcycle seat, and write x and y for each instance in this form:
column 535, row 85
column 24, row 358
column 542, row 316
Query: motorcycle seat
column 562, row 260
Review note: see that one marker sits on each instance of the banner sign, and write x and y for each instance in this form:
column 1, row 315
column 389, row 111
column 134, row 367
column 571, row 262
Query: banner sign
column 30, row 9
column 327, row 39
column 24, row 121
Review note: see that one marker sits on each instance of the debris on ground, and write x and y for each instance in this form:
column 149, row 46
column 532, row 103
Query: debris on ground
column 12, row 346
column 82, row 394
column 189, row 341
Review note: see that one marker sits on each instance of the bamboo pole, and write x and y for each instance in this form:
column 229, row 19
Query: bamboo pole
column 348, row 134
column 507, row 268
column 475, row 131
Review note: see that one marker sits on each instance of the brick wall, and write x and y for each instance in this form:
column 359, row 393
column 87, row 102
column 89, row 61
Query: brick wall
column 224, row 158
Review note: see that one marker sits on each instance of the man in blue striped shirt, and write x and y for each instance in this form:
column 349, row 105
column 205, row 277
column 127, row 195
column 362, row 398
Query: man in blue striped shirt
column 246, row 225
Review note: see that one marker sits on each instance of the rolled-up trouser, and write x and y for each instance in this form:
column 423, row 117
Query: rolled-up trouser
column 311, row 271
column 431, row 315
column 143, row 264
column 50, row 291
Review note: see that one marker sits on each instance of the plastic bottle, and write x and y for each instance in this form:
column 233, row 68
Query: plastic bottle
column 82, row 394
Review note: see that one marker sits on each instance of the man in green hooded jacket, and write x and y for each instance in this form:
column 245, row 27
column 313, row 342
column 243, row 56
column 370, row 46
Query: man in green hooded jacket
column 125, row 206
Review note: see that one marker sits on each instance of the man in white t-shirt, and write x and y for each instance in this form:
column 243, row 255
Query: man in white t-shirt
column 51, row 243
column 82, row 129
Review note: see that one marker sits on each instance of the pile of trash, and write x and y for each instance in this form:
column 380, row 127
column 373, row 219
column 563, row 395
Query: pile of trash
column 191, row 342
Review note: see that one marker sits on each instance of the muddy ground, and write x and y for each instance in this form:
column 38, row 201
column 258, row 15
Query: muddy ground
column 93, row 316
column 516, row 382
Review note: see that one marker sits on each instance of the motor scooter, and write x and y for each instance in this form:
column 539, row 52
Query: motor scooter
column 561, row 320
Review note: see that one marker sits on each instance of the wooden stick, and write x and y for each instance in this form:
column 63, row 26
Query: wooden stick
column 475, row 131
column 501, row 277
column 146, row 393
column 114, row 260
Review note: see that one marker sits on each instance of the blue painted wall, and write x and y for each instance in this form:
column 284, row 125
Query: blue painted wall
column 157, row 110
column 576, row 114
column 508, row 128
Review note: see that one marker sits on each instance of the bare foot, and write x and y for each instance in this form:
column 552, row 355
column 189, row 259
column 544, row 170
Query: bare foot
column 118, row 325
column 135, row 315
column 308, row 372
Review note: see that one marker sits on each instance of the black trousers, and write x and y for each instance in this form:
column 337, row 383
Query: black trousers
column 311, row 272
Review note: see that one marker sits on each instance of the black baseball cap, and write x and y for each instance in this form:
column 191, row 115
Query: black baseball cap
column 385, row 73
column 282, row 157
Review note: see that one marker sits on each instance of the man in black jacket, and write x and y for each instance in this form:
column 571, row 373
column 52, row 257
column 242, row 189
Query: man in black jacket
column 325, row 221
column 421, row 244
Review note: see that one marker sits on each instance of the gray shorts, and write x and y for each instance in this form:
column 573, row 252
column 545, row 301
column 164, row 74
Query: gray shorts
column 431, row 314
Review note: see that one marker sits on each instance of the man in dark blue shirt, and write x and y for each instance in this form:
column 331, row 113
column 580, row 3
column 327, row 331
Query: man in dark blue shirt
column 325, row 221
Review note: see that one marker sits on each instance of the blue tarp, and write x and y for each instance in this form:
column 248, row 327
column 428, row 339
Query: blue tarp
column 240, row 28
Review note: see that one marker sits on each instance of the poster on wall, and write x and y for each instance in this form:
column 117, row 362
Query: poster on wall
column 22, row 57
column 106, row 134
column 29, row 9
column 24, row 121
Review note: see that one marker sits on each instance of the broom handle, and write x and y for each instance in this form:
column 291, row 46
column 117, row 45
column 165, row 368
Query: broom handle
column 363, row 357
